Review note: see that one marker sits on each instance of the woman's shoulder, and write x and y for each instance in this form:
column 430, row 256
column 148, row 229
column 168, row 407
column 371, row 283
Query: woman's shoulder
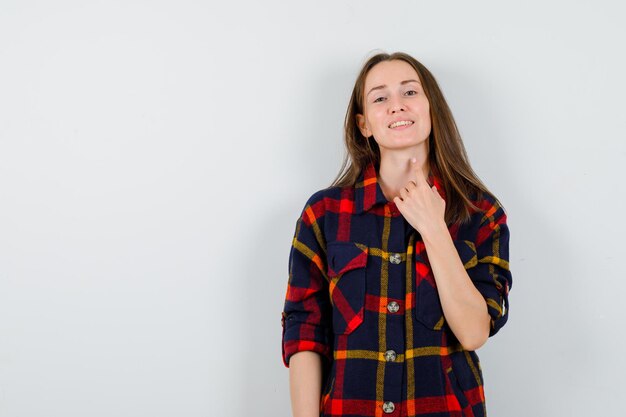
column 319, row 200
column 329, row 193
column 485, row 199
column 488, row 216
column 487, row 204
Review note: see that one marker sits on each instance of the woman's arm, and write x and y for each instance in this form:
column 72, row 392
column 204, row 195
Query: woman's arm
column 463, row 305
column 307, row 313
column 305, row 383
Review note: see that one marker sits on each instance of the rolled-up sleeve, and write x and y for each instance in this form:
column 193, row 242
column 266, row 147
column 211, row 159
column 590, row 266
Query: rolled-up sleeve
column 486, row 260
column 306, row 316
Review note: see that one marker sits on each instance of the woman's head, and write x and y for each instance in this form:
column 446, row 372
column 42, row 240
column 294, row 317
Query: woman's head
column 363, row 128
column 364, row 148
column 394, row 108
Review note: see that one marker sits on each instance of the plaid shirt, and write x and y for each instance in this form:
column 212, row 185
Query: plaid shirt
column 361, row 293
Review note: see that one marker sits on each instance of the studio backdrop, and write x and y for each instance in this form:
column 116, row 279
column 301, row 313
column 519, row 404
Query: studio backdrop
column 155, row 157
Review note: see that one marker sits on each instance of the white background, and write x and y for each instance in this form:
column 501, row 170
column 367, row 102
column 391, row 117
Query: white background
column 155, row 156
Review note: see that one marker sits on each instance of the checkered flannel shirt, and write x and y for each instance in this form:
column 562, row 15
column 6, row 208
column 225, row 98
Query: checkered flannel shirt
column 362, row 295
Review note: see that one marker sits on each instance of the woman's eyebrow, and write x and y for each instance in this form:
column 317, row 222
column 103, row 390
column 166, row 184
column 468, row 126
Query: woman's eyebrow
column 380, row 87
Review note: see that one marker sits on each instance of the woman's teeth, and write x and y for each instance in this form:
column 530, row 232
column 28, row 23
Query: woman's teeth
column 400, row 123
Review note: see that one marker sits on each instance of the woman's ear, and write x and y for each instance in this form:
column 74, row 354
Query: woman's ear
column 360, row 121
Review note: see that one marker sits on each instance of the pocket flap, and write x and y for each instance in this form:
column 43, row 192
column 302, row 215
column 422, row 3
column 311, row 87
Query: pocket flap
column 467, row 253
column 344, row 256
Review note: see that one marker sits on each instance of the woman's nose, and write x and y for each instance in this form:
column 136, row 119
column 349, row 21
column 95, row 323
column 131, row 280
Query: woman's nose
column 395, row 105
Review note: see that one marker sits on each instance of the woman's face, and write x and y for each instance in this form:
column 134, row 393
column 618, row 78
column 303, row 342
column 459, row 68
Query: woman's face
column 396, row 110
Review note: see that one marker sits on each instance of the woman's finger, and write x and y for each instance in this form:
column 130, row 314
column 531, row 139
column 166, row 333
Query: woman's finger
column 418, row 173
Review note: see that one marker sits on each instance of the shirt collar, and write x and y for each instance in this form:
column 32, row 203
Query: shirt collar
column 368, row 192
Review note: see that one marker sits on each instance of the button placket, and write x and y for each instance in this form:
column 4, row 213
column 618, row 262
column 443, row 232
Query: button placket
column 388, row 407
column 395, row 258
column 390, row 355
column 393, row 307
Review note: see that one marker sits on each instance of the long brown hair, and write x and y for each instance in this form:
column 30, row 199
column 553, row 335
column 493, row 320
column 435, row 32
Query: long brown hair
column 447, row 155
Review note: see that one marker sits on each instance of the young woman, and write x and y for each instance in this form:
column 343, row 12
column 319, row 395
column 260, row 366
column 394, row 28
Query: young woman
column 399, row 270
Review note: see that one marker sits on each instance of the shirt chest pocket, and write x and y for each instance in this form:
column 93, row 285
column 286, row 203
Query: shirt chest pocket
column 428, row 309
column 347, row 264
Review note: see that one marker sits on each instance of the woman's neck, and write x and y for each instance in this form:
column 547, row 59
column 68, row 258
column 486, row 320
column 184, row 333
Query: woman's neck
column 396, row 170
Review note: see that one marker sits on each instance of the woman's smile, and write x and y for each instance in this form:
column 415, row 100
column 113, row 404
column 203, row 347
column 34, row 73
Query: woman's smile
column 401, row 124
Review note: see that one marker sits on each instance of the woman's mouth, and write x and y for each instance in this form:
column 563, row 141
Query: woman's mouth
column 400, row 124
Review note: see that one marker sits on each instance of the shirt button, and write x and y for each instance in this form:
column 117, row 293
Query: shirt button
column 393, row 307
column 395, row 258
column 390, row 356
column 388, row 407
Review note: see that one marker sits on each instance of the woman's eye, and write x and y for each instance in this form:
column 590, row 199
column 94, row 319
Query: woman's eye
column 411, row 92
column 378, row 99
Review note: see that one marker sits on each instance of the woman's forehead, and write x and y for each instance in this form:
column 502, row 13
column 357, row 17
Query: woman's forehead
column 390, row 71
